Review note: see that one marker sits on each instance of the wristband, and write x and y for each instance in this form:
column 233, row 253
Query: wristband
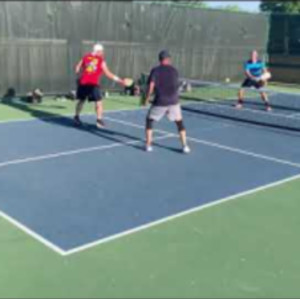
column 116, row 78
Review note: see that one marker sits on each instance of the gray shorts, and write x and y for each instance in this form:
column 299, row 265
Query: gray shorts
column 173, row 112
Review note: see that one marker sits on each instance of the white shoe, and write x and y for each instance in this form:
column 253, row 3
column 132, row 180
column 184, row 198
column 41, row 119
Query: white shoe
column 269, row 109
column 149, row 148
column 186, row 149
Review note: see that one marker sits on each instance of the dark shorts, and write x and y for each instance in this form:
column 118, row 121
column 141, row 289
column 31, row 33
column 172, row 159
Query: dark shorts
column 252, row 83
column 91, row 92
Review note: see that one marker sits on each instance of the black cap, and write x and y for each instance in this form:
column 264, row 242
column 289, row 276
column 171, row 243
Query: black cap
column 163, row 55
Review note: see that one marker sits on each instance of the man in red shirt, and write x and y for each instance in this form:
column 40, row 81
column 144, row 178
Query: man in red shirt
column 90, row 70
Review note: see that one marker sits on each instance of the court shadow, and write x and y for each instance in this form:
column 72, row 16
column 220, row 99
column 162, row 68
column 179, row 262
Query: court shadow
column 257, row 103
column 286, row 126
column 65, row 121
column 278, row 107
column 176, row 150
column 32, row 109
column 114, row 136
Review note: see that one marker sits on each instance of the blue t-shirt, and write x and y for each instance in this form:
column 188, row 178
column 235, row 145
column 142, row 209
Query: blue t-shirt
column 255, row 69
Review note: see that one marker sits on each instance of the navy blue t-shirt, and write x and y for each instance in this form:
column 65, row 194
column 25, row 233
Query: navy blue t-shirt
column 166, row 80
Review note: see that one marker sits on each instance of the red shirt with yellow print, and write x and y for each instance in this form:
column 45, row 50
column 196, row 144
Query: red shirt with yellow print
column 91, row 69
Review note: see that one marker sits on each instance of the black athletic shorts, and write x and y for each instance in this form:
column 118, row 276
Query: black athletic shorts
column 91, row 92
column 252, row 83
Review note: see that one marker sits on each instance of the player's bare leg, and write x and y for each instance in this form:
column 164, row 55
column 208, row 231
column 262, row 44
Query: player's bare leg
column 241, row 95
column 265, row 99
column 79, row 108
column 99, row 113
column 182, row 136
column 99, row 109
column 149, row 134
column 149, row 137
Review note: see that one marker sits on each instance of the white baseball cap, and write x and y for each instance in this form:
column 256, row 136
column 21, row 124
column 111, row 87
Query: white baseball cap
column 98, row 48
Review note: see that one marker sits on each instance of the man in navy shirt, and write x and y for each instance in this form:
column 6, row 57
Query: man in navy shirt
column 164, row 83
column 254, row 70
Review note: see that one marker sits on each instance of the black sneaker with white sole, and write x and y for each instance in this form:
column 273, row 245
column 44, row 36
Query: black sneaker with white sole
column 100, row 123
column 77, row 121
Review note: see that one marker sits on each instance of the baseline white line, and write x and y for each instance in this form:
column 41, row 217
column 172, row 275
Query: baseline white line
column 178, row 215
column 217, row 145
column 96, row 148
column 32, row 234
column 78, row 151
column 81, row 248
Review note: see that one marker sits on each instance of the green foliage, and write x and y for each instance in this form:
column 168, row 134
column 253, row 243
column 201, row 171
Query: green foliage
column 233, row 7
column 190, row 4
column 230, row 7
column 197, row 4
column 280, row 6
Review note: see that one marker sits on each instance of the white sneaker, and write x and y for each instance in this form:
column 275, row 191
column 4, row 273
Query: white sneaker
column 269, row 108
column 186, row 149
column 149, row 148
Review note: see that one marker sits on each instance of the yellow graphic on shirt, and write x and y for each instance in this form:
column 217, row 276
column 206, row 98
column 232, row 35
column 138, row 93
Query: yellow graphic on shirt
column 92, row 65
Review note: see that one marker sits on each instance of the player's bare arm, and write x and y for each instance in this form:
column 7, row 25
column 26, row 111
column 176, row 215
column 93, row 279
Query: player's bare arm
column 110, row 75
column 250, row 76
column 149, row 92
column 78, row 67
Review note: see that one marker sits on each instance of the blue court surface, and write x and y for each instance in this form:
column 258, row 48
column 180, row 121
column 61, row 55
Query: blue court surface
column 74, row 187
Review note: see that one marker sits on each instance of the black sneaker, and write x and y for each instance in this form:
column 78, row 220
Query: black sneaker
column 100, row 124
column 77, row 121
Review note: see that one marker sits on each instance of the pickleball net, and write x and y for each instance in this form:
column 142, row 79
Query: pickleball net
column 219, row 100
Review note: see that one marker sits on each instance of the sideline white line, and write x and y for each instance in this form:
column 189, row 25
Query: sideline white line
column 217, row 145
column 32, row 234
column 95, row 148
column 78, row 151
column 81, row 248
column 175, row 216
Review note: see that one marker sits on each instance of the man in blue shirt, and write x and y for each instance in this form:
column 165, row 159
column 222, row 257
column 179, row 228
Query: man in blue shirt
column 254, row 70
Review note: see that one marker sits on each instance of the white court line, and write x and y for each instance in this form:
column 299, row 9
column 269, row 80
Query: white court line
column 95, row 148
column 81, row 248
column 294, row 115
column 181, row 214
column 117, row 144
column 141, row 109
column 76, row 152
column 62, row 252
column 217, row 145
column 32, row 234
